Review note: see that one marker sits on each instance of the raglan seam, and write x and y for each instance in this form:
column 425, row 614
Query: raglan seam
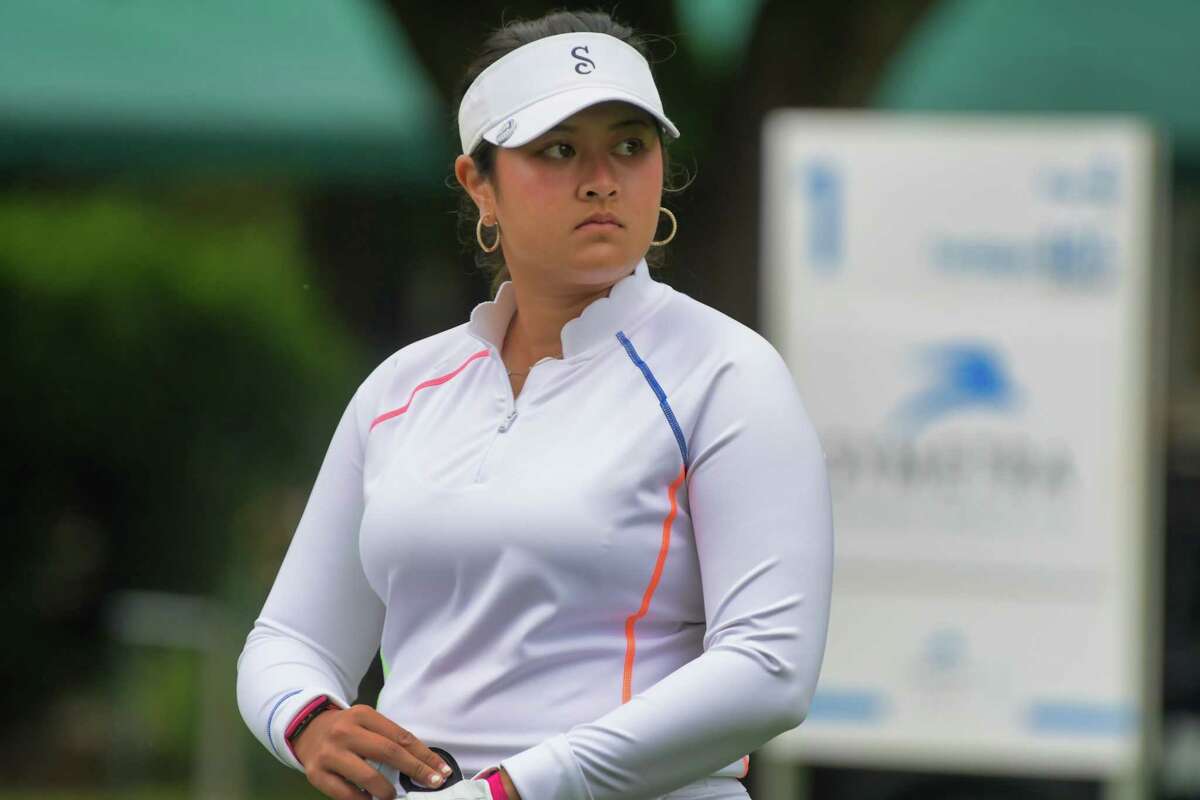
column 428, row 383
column 659, row 392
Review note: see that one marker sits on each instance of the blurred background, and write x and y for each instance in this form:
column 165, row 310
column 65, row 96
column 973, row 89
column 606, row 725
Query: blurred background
column 217, row 217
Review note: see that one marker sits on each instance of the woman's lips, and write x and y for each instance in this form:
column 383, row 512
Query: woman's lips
column 598, row 225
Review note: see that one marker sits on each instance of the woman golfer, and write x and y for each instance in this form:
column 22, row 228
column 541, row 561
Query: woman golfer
column 588, row 529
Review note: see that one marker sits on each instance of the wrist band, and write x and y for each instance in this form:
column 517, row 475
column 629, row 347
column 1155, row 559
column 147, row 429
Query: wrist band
column 307, row 715
column 497, row 786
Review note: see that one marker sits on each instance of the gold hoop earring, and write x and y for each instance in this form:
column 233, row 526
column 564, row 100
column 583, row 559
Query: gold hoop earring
column 674, row 227
column 479, row 236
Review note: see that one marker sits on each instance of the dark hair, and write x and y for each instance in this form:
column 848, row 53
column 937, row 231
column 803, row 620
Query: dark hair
column 500, row 43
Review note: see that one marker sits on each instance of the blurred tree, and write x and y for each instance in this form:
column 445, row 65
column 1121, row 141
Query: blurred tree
column 165, row 364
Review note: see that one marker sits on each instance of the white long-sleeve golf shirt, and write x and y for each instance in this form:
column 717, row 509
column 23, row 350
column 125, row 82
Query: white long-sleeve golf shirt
column 615, row 586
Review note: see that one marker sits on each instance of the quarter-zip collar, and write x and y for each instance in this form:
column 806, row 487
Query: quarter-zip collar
column 628, row 300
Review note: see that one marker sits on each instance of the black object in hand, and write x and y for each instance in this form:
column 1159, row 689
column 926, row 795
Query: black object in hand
column 454, row 777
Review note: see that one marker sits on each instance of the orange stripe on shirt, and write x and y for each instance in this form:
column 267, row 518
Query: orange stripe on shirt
column 630, row 643
column 431, row 382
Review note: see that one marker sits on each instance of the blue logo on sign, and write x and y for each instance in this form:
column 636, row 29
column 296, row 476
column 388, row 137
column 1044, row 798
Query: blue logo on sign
column 822, row 187
column 945, row 650
column 1071, row 259
column 1096, row 183
column 963, row 376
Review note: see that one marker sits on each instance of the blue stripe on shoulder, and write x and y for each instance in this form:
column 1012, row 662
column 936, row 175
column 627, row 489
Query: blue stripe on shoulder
column 662, row 396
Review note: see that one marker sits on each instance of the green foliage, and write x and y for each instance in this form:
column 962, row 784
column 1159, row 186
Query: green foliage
column 158, row 697
column 115, row 248
column 167, row 364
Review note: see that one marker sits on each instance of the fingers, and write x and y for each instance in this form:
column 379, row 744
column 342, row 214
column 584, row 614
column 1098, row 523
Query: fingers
column 340, row 769
column 397, row 746
column 338, row 760
column 350, row 767
column 336, row 787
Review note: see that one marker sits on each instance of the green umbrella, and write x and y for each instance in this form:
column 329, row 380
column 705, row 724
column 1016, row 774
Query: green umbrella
column 324, row 88
column 1057, row 56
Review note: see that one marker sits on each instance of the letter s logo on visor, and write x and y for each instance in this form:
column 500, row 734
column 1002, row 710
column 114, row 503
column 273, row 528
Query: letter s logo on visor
column 585, row 64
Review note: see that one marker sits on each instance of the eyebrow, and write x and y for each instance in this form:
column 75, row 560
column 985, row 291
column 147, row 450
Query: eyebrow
column 622, row 124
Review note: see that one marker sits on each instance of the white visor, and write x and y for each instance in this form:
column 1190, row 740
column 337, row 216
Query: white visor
column 538, row 85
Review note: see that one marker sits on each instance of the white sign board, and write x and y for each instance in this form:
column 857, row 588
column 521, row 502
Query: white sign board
column 966, row 305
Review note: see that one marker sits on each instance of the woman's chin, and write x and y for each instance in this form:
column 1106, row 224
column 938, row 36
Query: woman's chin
column 597, row 259
column 605, row 250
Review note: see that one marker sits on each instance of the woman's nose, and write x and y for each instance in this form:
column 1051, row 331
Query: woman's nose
column 599, row 181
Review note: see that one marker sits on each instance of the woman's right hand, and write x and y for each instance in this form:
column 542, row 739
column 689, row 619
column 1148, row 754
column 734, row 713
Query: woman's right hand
column 333, row 748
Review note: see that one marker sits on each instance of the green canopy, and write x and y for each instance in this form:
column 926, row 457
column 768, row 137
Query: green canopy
column 1057, row 56
column 316, row 87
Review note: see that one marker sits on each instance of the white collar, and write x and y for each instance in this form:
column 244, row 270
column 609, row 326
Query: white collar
column 600, row 320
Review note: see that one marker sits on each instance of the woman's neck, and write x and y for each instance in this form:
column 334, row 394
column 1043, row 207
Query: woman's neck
column 535, row 330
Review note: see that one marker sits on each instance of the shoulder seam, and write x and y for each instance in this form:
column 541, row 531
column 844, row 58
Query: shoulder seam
column 663, row 403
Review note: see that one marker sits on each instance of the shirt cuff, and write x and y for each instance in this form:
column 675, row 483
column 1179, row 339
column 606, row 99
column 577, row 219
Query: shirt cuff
column 286, row 709
column 547, row 771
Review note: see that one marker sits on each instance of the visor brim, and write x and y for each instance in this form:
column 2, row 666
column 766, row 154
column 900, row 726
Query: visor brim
column 535, row 119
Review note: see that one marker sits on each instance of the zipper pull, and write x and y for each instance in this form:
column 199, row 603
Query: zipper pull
column 508, row 422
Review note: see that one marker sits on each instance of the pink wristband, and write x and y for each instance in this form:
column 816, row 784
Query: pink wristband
column 302, row 718
column 497, row 786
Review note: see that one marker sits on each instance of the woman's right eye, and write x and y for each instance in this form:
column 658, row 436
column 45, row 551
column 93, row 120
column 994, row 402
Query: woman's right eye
column 556, row 150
